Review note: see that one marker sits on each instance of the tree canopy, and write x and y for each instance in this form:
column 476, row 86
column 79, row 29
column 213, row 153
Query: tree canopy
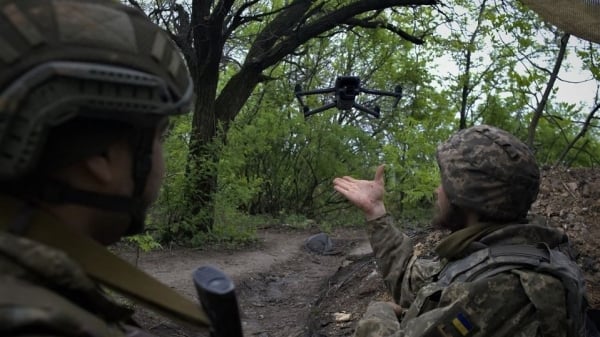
column 247, row 149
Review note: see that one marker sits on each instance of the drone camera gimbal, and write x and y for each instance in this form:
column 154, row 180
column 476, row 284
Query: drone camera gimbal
column 345, row 90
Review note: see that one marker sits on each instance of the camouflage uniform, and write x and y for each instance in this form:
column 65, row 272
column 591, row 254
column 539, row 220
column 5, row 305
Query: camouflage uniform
column 490, row 172
column 514, row 303
column 45, row 292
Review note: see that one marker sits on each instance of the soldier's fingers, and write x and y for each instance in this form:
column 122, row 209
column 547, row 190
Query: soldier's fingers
column 343, row 191
column 379, row 173
column 343, row 183
column 338, row 182
column 340, row 189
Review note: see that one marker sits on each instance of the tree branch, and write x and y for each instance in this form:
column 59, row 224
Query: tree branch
column 354, row 22
column 220, row 12
column 135, row 4
column 581, row 133
column 267, row 56
column 542, row 105
column 237, row 18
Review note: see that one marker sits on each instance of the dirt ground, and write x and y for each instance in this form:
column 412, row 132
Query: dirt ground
column 278, row 281
column 284, row 290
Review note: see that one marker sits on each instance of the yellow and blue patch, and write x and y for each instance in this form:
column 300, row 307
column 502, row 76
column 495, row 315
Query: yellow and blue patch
column 458, row 324
column 462, row 324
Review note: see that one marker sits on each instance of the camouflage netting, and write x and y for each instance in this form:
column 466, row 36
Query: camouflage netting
column 578, row 17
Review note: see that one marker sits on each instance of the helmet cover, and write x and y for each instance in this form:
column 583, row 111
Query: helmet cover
column 65, row 59
column 489, row 171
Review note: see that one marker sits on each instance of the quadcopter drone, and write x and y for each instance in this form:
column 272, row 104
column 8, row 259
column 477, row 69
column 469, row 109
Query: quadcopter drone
column 346, row 89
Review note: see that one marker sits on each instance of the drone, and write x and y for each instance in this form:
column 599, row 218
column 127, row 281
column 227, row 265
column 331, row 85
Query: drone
column 346, row 89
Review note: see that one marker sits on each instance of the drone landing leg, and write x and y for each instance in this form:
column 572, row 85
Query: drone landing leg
column 372, row 112
column 317, row 110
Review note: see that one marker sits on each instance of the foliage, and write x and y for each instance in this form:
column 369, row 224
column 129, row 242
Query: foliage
column 145, row 242
column 244, row 41
column 168, row 215
column 483, row 62
column 232, row 229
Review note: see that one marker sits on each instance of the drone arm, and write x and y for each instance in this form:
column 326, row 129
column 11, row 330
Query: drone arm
column 314, row 92
column 397, row 93
column 317, row 110
column 372, row 112
column 380, row 93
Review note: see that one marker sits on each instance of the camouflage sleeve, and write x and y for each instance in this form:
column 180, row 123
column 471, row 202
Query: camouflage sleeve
column 402, row 272
column 523, row 304
column 27, row 308
column 378, row 320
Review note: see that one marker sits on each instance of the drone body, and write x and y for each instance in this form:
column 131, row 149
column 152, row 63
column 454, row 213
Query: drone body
column 345, row 90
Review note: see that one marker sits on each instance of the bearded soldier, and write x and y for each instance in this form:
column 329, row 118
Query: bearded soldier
column 496, row 274
column 86, row 90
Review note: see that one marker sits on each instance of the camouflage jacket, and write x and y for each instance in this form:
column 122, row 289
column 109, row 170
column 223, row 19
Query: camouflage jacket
column 43, row 292
column 517, row 302
column 46, row 293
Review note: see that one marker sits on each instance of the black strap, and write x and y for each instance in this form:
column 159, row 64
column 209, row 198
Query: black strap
column 58, row 192
column 491, row 261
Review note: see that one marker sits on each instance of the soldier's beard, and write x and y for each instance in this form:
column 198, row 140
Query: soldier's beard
column 452, row 218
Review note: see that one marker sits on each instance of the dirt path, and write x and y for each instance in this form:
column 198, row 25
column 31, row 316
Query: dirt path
column 285, row 291
column 277, row 281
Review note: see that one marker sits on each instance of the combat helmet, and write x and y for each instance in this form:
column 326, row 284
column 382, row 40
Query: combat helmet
column 489, row 171
column 99, row 60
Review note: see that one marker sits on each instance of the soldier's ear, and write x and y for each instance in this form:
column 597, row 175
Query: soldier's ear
column 98, row 166
column 111, row 164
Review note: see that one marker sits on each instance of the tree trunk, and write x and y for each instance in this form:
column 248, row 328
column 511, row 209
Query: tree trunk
column 211, row 116
column 201, row 177
column 540, row 108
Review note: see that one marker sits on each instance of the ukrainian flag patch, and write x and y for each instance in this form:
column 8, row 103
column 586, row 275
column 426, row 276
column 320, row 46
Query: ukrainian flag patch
column 462, row 324
column 455, row 323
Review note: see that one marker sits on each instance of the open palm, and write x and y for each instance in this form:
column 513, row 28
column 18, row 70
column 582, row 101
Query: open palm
column 364, row 194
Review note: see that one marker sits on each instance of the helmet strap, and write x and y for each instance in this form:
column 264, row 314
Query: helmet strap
column 142, row 143
column 59, row 192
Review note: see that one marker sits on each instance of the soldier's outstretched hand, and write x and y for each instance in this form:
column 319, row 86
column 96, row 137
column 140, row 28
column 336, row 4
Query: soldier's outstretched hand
column 364, row 194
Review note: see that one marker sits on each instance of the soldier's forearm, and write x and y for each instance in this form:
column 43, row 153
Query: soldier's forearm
column 393, row 250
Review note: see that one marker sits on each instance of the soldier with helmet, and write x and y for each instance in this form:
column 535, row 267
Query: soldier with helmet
column 496, row 274
column 86, row 90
